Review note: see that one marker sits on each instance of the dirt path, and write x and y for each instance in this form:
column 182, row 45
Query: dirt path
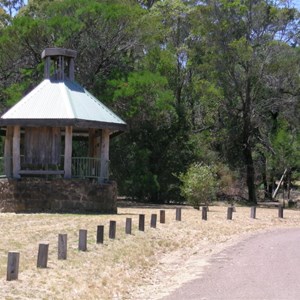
column 264, row 266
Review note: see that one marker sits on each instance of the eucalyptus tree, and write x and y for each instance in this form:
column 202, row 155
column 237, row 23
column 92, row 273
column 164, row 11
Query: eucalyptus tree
column 246, row 41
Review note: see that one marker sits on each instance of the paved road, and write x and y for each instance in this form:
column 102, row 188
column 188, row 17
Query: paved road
column 265, row 266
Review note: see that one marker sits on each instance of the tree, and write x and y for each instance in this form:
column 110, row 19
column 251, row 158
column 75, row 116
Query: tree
column 242, row 40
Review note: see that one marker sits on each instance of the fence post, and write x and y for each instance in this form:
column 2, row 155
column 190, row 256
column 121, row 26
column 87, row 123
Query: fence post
column 141, row 222
column 178, row 214
column 82, row 244
column 12, row 265
column 112, row 229
column 253, row 212
column 280, row 211
column 204, row 213
column 162, row 216
column 100, row 234
column 229, row 213
column 153, row 220
column 128, row 225
column 42, row 259
column 62, row 246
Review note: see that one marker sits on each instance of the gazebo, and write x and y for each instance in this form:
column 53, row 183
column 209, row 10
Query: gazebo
column 39, row 135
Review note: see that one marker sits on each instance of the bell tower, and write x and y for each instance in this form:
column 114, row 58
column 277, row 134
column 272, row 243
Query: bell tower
column 59, row 63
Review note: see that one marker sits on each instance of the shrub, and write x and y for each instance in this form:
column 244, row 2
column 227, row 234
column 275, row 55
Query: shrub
column 199, row 184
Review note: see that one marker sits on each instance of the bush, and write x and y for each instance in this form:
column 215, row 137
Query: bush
column 199, row 184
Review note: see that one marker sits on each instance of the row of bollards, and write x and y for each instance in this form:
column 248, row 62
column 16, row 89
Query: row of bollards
column 43, row 249
column 42, row 258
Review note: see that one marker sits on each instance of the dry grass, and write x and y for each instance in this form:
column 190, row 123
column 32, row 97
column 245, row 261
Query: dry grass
column 144, row 265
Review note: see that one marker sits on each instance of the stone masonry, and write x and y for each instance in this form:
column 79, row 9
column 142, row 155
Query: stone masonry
column 57, row 195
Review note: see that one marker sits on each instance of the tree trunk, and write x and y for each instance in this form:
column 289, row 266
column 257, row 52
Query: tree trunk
column 250, row 174
column 247, row 149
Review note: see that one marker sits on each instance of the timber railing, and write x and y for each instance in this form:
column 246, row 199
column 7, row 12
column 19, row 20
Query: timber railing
column 82, row 167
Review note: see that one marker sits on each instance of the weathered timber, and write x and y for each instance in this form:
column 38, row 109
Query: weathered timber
column 8, row 150
column 104, row 156
column 16, row 152
column 62, row 246
column 141, row 222
column 178, row 214
column 100, row 234
column 112, row 229
column 153, row 220
column 42, row 258
column 41, row 172
column 204, row 213
column 42, row 145
column 128, row 225
column 82, row 243
column 280, row 211
column 229, row 213
column 162, row 216
column 253, row 212
column 68, row 152
column 13, row 260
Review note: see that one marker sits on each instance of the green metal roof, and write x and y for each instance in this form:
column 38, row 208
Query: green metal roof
column 61, row 103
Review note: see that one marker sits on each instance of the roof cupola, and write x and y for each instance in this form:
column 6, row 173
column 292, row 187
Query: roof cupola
column 59, row 63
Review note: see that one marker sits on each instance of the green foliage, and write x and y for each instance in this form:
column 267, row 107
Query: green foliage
column 195, row 81
column 199, row 184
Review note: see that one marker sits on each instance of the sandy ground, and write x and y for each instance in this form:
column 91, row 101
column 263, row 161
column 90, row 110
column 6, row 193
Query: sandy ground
column 144, row 265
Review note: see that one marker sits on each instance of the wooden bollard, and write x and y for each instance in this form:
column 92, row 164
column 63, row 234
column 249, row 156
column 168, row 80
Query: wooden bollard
column 62, row 246
column 178, row 214
column 42, row 259
column 12, row 265
column 82, row 243
column 229, row 213
column 280, row 211
column 153, row 220
column 100, row 234
column 141, row 222
column 162, row 216
column 128, row 225
column 112, row 229
column 253, row 212
column 204, row 213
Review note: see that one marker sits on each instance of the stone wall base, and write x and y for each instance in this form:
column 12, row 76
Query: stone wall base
column 57, row 195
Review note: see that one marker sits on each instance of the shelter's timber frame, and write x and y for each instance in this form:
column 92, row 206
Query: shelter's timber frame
column 59, row 66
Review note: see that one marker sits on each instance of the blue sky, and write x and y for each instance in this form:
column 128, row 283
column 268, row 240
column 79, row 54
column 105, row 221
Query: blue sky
column 297, row 3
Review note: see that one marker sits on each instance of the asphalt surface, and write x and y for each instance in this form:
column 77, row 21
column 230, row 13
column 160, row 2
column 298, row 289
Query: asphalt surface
column 264, row 266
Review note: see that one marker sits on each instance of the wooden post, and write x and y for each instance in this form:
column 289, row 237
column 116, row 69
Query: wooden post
column 229, row 213
column 112, row 229
column 100, row 234
column 8, row 150
column 68, row 152
column 12, row 265
column 62, row 246
column 141, row 222
column 71, row 69
column 253, row 212
column 162, row 216
column 82, row 244
column 16, row 152
column 128, row 225
column 204, row 213
column 280, row 211
column 47, row 67
column 104, row 156
column 42, row 259
column 153, row 220
column 178, row 214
